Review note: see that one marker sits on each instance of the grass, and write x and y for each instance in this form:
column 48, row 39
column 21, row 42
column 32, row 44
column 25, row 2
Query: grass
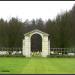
column 36, row 65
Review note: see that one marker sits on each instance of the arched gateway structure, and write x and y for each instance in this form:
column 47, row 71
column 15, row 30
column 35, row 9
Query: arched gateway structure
column 27, row 43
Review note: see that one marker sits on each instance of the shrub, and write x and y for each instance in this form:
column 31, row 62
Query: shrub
column 60, row 56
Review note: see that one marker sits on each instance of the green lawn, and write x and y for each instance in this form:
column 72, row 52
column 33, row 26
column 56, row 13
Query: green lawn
column 37, row 65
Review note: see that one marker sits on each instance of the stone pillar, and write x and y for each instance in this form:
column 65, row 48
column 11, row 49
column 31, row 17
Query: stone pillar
column 45, row 49
column 23, row 50
column 49, row 46
column 26, row 46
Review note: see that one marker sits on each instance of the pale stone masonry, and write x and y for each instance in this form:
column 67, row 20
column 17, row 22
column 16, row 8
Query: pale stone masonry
column 27, row 43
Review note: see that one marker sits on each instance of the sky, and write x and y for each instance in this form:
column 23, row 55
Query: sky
column 33, row 9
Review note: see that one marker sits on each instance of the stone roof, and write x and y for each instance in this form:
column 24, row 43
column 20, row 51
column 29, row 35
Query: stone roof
column 36, row 30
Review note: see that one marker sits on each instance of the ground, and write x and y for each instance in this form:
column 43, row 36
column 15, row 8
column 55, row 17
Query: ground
column 36, row 65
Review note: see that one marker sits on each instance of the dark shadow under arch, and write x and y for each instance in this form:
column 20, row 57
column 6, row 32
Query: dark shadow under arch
column 36, row 43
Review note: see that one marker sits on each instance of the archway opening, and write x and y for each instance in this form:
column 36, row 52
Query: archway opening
column 36, row 43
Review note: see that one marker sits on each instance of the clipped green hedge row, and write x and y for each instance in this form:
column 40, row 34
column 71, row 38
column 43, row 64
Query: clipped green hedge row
column 12, row 56
column 59, row 56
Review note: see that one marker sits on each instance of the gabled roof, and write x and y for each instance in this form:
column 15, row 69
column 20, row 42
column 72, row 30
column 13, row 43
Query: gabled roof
column 36, row 30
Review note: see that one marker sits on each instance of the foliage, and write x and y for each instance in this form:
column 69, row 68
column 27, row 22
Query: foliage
column 61, row 30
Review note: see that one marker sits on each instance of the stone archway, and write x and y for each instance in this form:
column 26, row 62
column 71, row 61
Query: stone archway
column 27, row 43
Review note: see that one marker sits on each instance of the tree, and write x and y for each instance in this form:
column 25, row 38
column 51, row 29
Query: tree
column 15, row 33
